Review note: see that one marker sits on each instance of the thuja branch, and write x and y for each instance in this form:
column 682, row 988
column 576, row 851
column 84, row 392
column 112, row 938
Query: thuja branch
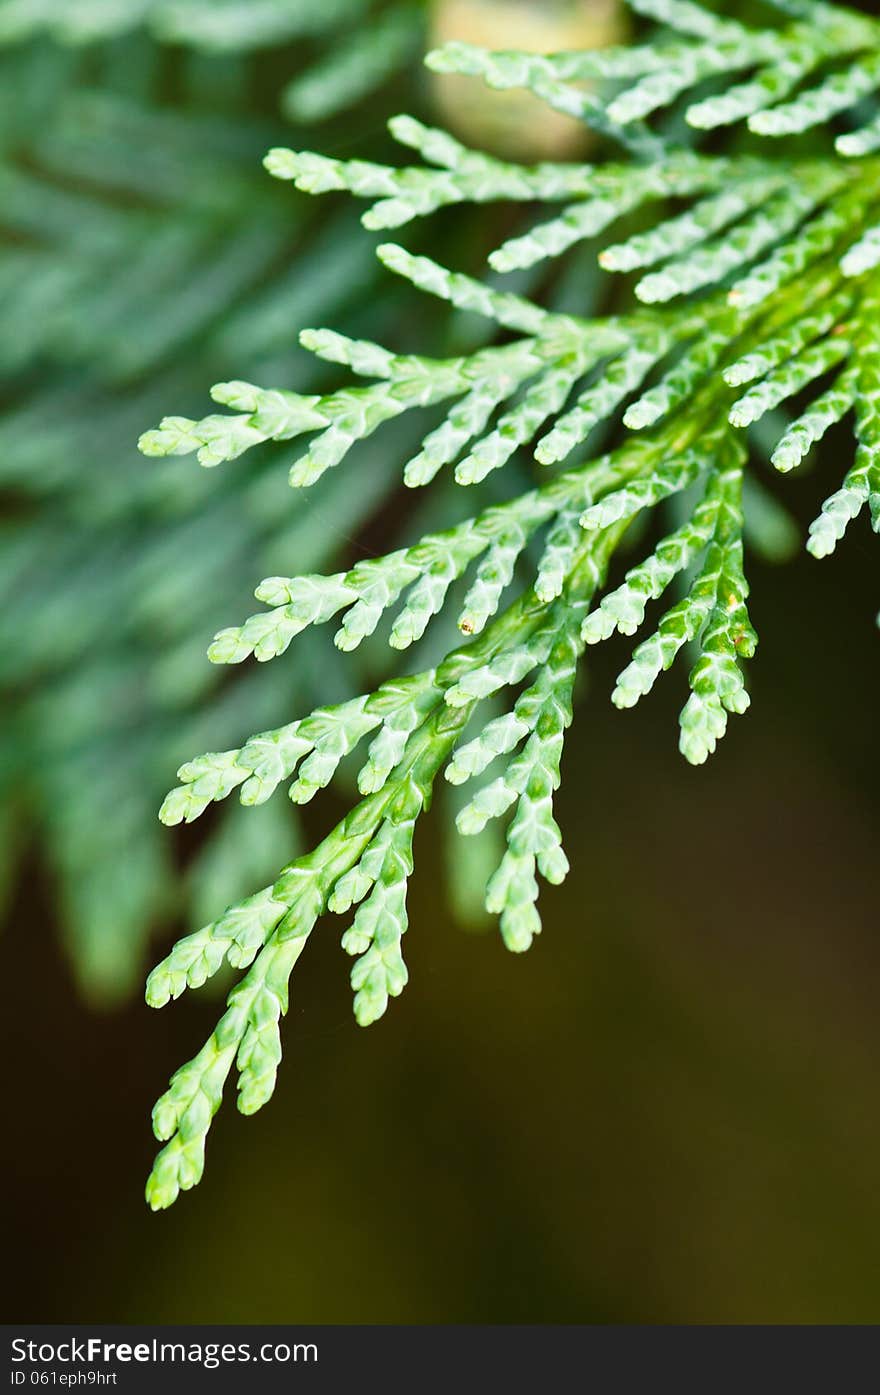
column 367, row 858
column 759, row 297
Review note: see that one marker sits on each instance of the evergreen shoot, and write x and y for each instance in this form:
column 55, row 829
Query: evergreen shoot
column 754, row 263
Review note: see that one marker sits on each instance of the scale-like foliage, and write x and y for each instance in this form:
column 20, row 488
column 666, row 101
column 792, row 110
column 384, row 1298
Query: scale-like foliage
column 757, row 297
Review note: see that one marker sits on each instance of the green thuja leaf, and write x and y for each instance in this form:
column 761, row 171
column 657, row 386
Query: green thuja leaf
column 751, row 329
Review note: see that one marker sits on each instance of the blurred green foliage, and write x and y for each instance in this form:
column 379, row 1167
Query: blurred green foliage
column 142, row 249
